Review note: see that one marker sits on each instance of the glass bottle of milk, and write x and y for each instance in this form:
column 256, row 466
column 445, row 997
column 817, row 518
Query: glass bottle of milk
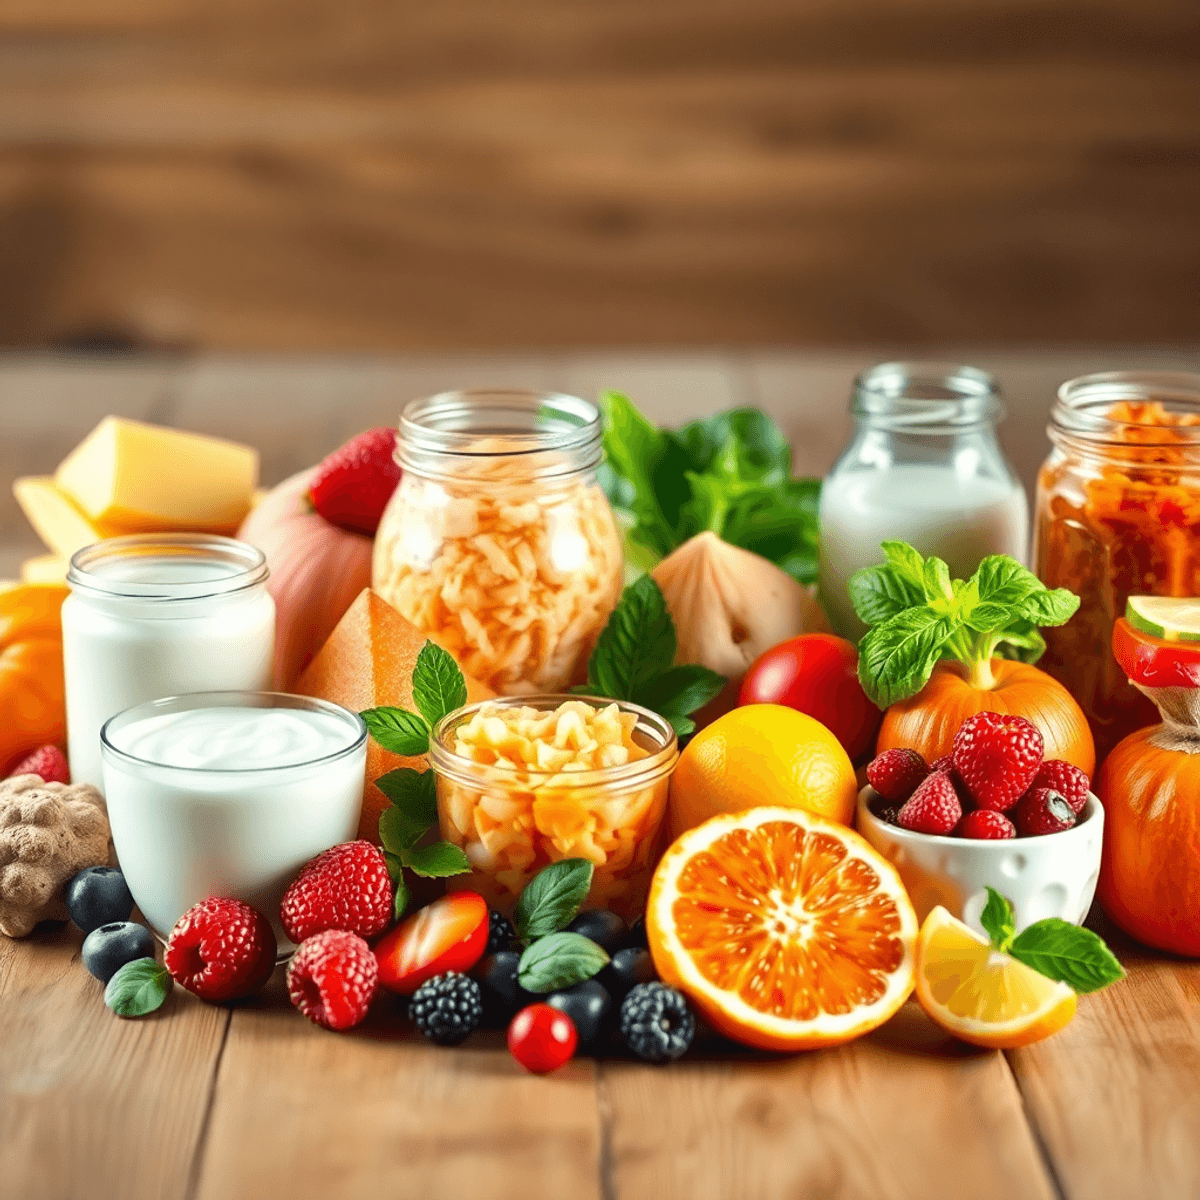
column 924, row 467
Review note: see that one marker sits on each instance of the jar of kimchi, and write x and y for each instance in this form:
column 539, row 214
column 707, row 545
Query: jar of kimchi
column 498, row 542
column 1117, row 514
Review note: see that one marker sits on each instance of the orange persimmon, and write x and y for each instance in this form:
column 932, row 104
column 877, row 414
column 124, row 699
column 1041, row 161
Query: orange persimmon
column 32, row 712
column 928, row 721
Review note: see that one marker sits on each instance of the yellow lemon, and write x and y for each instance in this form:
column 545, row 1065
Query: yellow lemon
column 762, row 754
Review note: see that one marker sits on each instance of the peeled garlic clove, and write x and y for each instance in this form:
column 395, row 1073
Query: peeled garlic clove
column 730, row 606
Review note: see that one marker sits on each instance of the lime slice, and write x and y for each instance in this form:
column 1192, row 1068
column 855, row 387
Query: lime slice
column 1173, row 618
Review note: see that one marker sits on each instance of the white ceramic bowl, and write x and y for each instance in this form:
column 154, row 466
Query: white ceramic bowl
column 1049, row 876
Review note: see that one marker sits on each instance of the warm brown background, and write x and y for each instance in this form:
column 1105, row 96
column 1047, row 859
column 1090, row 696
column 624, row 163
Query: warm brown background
column 395, row 174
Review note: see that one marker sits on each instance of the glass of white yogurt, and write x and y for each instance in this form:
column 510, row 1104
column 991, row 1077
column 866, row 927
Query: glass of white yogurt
column 229, row 794
column 924, row 467
column 160, row 614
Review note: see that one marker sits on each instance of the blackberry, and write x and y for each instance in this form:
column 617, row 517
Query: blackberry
column 501, row 934
column 447, row 1008
column 656, row 1023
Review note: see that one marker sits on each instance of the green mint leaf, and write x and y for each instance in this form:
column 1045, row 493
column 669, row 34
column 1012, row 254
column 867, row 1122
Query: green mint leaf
column 559, row 960
column 636, row 644
column 682, row 725
column 1002, row 580
column 138, row 988
column 438, row 685
column 937, row 581
column 1020, row 641
column 895, row 659
column 681, row 690
column 396, row 832
column 394, row 865
column 398, row 730
column 413, row 793
column 402, row 898
column 437, row 861
column 988, row 616
column 552, row 897
column 880, row 593
column 1049, row 607
column 997, row 920
column 907, row 563
column 1068, row 953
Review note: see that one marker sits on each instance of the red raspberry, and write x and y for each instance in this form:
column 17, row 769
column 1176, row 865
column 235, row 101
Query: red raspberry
column 997, row 755
column 943, row 765
column 49, row 762
column 332, row 979
column 1042, row 810
column 933, row 807
column 221, row 949
column 896, row 774
column 984, row 823
column 1065, row 778
column 345, row 887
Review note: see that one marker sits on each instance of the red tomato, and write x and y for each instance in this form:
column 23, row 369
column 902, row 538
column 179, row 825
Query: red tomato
column 541, row 1038
column 448, row 935
column 1154, row 662
column 817, row 674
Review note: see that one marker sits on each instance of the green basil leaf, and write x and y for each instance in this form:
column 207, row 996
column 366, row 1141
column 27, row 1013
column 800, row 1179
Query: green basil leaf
column 636, row 644
column 681, row 690
column 682, row 725
column 1002, row 580
column 1068, row 953
column 987, row 616
column 398, row 730
column 880, row 593
column 402, row 898
column 438, row 685
column 937, row 580
column 414, row 793
column 997, row 920
column 552, row 897
column 138, row 988
column 437, row 861
column 895, row 659
column 741, row 443
column 1048, row 607
column 559, row 960
column 906, row 562
column 1022, row 642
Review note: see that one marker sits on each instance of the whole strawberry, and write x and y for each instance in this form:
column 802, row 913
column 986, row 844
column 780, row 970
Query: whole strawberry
column 896, row 774
column 983, row 823
column 1042, row 810
column 933, row 808
column 352, row 486
column 221, row 949
column 996, row 756
column 1066, row 779
column 332, row 979
column 345, row 887
column 49, row 762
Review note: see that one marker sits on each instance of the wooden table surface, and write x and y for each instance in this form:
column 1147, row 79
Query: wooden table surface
column 253, row 1101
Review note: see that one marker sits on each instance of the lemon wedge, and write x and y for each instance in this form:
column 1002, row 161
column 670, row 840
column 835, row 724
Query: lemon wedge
column 981, row 995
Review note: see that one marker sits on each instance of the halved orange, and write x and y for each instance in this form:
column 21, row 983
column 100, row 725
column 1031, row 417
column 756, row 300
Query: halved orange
column 787, row 931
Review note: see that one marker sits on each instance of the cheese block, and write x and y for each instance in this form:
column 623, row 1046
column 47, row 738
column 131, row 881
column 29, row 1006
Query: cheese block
column 48, row 568
column 141, row 478
column 55, row 518
column 368, row 662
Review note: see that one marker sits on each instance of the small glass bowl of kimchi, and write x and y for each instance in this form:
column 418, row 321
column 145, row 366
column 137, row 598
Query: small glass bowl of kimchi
column 498, row 542
column 1117, row 514
column 526, row 782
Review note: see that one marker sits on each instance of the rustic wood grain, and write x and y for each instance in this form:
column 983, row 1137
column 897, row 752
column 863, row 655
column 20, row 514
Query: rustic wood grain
column 92, row 1105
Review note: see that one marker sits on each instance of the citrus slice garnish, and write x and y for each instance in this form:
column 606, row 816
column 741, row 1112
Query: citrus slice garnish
column 785, row 930
column 982, row 995
column 1172, row 618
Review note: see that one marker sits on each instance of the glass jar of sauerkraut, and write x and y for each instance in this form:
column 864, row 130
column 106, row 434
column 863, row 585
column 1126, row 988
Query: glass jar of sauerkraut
column 524, row 783
column 1118, row 514
column 498, row 543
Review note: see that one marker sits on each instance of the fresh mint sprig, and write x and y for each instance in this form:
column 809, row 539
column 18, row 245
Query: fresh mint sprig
column 1052, row 947
column 139, row 987
column 919, row 616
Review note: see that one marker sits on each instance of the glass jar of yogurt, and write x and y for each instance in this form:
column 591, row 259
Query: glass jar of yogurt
column 229, row 794
column 924, row 467
column 155, row 615
column 498, row 543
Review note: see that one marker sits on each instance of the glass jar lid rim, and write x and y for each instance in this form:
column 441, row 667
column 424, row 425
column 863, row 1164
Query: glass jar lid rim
column 1084, row 404
column 926, row 395
column 244, row 567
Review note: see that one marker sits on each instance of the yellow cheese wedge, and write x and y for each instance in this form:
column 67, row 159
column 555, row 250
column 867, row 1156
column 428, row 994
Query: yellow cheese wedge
column 48, row 568
column 57, row 521
column 142, row 477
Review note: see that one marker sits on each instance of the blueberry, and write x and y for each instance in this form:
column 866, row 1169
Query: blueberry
column 637, row 934
column 98, row 896
column 107, row 949
column 628, row 968
column 588, row 1004
column 604, row 928
column 503, row 996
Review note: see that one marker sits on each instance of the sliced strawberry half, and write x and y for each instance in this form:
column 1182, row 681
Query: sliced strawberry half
column 448, row 935
column 352, row 486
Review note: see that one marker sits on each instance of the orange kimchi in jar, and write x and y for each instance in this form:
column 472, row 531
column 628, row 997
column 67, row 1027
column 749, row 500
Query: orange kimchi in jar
column 1117, row 514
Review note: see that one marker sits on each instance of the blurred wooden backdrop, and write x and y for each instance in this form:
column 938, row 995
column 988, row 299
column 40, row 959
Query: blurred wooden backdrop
column 388, row 173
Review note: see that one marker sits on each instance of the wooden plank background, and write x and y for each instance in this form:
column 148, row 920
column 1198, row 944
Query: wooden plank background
column 367, row 174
